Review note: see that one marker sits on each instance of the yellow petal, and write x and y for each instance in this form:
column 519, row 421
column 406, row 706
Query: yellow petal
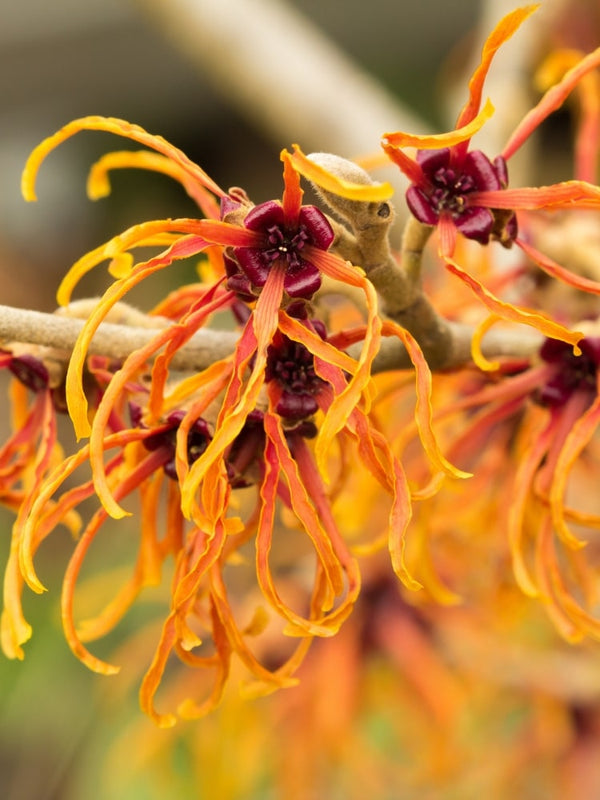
column 507, row 26
column 121, row 128
column 370, row 193
column 440, row 140
column 480, row 360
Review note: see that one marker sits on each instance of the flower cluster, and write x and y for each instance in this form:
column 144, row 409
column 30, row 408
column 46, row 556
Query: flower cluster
column 265, row 418
column 292, row 442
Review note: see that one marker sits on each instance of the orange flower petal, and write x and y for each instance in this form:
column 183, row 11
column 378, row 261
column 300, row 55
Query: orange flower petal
column 588, row 126
column 121, row 128
column 507, row 311
column 556, row 271
column 530, row 461
column 253, row 343
column 344, row 402
column 569, row 194
column 37, row 518
column 480, row 360
column 146, row 572
column 136, row 236
column 76, row 398
column 581, row 433
column 292, row 193
column 410, row 167
column 424, row 408
column 400, row 516
column 298, row 332
column 507, row 26
column 98, row 184
column 278, row 457
column 553, row 99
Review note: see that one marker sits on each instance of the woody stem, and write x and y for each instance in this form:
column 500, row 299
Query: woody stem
column 59, row 334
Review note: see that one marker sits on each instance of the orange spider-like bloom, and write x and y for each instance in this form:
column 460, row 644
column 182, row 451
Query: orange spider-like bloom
column 462, row 191
column 529, row 434
column 246, row 419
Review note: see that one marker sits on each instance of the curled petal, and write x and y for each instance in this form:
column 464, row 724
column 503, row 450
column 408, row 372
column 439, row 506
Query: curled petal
column 309, row 503
column 44, row 515
column 240, row 402
column 584, row 428
column 137, row 236
column 131, row 480
column 190, row 709
column 528, row 466
column 366, row 193
column 98, row 184
column 400, row 517
column 556, row 271
column 552, row 100
column 552, row 589
column 588, row 134
column 480, row 360
column 439, row 140
column 355, row 391
column 315, row 344
column 508, row 311
column 170, row 337
column 147, row 570
column 76, row 397
column 121, row 128
column 507, row 26
column 424, row 409
column 265, row 680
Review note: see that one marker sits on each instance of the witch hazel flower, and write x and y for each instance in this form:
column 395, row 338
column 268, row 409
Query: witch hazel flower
column 265, row 416
column 284, row 240
column 445, row 190
column 530, row 437
column 464, row 192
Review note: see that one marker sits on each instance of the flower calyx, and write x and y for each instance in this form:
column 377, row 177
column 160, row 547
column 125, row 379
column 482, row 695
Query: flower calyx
column 449, row 186
column 573, row 373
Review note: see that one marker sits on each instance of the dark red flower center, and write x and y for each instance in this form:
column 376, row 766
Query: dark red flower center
column 281, row 242
column 30, row 371
column 165, row 437
column 286, row 245
column 445, row 189
column 449, row 188
column 244, row 461
column 572, row 373
column 292, row 366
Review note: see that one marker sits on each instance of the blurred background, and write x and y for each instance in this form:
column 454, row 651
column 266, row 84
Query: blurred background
column 138, row 60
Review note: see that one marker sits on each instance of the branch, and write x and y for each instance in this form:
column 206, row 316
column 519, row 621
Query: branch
column 111, row 340
column 207, row 345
